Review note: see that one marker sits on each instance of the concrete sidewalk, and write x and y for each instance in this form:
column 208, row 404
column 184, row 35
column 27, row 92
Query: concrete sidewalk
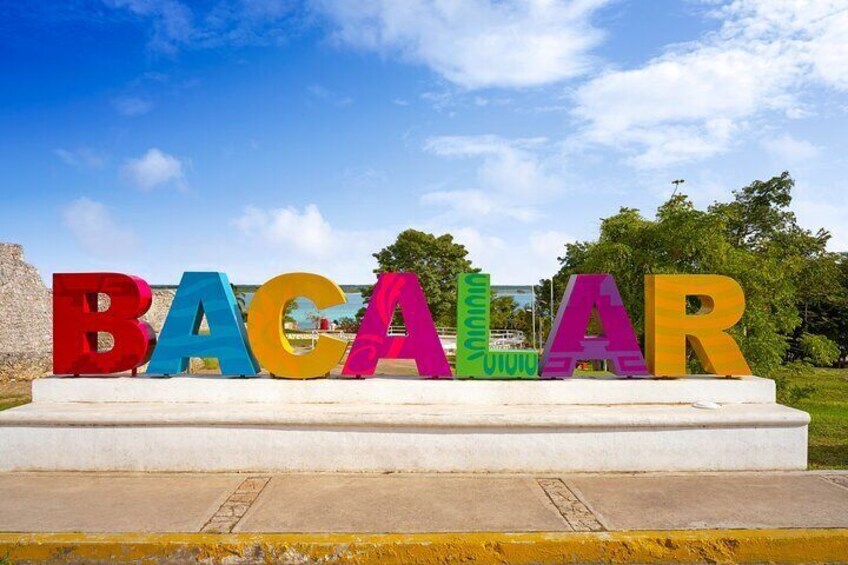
column 337, row 504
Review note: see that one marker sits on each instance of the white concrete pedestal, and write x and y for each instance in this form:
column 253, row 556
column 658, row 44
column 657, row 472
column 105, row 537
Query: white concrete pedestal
column 402, row 424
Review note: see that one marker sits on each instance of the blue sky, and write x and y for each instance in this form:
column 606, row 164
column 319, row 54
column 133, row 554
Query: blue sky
column 264, row 136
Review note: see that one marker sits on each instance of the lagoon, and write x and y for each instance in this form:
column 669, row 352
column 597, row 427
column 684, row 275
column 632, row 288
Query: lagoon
column 304, row 313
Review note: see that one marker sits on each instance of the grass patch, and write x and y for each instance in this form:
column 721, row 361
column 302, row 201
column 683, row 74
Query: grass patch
column 828, row 408
column 7, row 402
column 210, row 364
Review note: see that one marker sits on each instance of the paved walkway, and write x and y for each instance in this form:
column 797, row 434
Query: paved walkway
column 101, row 503
column 131, row 502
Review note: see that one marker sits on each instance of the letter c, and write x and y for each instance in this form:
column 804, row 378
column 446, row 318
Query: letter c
column 265, row 326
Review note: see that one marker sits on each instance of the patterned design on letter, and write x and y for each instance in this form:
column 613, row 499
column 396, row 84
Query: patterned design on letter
column 198, row 294
column 473, row 358
column 76, row 322
column 267, row 336
column 667, row 326
column 568, row 343
column 421, row 341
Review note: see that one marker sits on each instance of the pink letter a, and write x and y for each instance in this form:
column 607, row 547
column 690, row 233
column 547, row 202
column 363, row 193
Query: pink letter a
column 568, row 342
column 421, row 341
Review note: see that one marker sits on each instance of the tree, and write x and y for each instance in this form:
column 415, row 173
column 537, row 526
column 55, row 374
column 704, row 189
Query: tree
column 502, row 312
column 437, row 260
column 754, row 239
column 244, row 295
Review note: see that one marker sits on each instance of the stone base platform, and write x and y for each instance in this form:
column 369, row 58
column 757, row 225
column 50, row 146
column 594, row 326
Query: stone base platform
column 402, row 424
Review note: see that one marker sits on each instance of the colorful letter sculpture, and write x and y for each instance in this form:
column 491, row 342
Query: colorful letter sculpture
column 200, row 294
column 266, row 331
column 473, row 358
column 76, row 322
column 421, row 341
column 667, row 325
column 568, row 343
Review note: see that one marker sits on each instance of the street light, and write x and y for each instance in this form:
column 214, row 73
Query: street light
column 677, row 184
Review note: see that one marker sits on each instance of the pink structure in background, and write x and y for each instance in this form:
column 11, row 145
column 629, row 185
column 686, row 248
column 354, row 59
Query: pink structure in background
column 568, row 342
column 421, row 342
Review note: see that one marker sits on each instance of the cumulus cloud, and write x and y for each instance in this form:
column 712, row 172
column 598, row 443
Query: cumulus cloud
column 291, row 239
column 520, row 259
column 476, row 43
column 306, row 231
column 511, row 177
column 82, row 157
column 154, row 169
column 693, row 101
column 92, row 225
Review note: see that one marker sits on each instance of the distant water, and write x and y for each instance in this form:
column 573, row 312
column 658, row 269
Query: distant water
column 302, row 315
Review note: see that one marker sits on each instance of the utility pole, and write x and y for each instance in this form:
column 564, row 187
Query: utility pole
column 552, row 304
column 533, row 312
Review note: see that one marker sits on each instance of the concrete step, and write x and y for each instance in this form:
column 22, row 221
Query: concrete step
column 444, row 426
column 406, row 390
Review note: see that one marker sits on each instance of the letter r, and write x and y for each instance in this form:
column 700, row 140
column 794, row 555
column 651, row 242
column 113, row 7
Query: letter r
column 668, row 326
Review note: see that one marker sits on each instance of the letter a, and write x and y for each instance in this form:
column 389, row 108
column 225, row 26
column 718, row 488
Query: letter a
column 180, row 340
column 568, row 342
column 421, row 341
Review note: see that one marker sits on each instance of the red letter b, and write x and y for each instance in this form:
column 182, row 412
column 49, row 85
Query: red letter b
column 76, row 322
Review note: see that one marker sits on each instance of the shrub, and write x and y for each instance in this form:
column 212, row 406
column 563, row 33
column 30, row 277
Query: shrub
column 819, row 350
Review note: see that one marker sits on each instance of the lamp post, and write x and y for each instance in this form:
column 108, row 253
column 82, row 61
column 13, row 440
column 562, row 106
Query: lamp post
column 677, row 183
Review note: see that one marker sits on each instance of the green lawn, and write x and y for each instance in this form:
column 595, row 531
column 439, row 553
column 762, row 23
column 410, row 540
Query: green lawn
column 12, row 401
column 828, row 408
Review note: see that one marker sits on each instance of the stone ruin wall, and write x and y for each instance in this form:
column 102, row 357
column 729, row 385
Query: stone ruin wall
column 26, row 317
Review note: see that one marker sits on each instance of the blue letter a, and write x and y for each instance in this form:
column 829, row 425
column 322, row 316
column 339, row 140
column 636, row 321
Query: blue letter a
column 202, row 294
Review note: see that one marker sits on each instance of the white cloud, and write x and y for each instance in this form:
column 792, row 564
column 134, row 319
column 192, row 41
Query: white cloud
column 132, row 106
column 154, row 169
column 92, row 225
column 511, row 178
column 788, row 150
column 698, row 98
column 519, row 259
column 476, row 43
column 305, row 232
column 288, row 239
column 82, row 157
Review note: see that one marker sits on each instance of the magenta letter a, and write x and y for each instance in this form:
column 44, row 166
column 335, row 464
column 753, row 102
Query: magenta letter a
column 568, row 342
column 421, row 341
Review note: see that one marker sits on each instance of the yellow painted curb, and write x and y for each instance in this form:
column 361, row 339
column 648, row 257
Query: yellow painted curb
column 705, row 546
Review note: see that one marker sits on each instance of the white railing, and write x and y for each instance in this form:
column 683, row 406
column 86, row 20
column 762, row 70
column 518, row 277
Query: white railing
column 498, row 339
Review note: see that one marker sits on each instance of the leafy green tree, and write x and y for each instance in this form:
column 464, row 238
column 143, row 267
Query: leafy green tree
column 437, row 260
column 819, row 350
column 796, row 291
column 753, row 239
column 502, row 311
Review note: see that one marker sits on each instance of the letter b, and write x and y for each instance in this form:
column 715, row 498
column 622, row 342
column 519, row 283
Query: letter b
column 76, row 322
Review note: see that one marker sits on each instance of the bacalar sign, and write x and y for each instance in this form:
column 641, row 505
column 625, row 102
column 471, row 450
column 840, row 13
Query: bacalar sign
column 241, row 350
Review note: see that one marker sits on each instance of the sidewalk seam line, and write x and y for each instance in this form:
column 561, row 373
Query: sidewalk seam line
column 576, row 524
column 227, row 520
